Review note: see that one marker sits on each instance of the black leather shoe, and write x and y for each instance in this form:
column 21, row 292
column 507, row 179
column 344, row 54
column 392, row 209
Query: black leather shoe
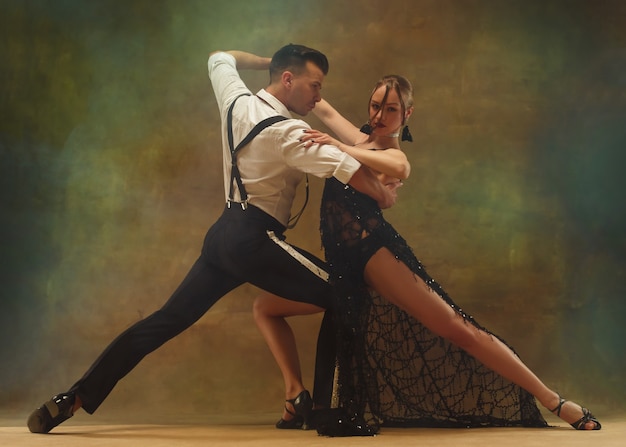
column 302, row 407
column 295, row 423
column 58, row 409
column 580, row 424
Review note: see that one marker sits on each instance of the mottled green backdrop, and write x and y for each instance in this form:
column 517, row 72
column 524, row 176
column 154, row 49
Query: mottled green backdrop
column 111, row 173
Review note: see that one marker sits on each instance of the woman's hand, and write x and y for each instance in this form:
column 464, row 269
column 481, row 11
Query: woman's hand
column 311, row 137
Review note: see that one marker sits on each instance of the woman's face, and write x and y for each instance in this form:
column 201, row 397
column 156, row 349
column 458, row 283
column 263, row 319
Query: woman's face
column 385, row 119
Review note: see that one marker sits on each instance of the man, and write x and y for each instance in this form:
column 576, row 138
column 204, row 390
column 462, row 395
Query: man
column 246, row 243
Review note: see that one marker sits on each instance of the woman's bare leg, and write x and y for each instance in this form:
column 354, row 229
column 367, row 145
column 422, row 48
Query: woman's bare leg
column 396, row 282
column 269, row 313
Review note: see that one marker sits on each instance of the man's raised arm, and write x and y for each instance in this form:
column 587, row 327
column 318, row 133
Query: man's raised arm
column 247, row 61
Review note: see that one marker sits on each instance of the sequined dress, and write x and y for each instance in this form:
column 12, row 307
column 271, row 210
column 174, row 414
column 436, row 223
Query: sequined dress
column 391, row 369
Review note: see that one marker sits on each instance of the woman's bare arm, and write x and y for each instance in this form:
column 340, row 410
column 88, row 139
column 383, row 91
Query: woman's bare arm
column 344, row 129
column 392, row 161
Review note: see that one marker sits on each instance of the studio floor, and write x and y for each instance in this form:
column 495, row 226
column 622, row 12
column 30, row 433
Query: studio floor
column 84, row 432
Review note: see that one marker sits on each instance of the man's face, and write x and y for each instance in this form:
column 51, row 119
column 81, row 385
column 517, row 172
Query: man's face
column 304, row 89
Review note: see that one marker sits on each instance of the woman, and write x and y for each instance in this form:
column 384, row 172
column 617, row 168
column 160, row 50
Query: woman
column 407, row 354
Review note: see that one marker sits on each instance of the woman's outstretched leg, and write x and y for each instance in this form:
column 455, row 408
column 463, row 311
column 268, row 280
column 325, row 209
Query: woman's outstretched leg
column 270, row 312
column 393, row 280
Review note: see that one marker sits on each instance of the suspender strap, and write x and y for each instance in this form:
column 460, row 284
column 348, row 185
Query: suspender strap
column 294, row 220
column 229, row 121
column 235, row 176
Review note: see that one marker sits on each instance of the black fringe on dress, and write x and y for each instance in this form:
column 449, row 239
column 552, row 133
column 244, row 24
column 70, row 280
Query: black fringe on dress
column 393, row 371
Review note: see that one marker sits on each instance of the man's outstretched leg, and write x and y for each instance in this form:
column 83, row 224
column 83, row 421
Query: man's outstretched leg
column 117, row 360
column 201, row 288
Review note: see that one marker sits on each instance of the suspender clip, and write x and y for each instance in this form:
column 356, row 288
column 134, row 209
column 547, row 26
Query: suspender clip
column 244, row 204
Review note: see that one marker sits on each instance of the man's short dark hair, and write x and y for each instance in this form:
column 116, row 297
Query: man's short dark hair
column 294, row 57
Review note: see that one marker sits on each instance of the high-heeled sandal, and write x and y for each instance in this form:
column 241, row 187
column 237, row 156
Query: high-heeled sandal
column 580, row 423
column 302, row 406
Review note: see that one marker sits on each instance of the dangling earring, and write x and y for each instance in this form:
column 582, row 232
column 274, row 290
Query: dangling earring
column 366, row 128
column 406, row 134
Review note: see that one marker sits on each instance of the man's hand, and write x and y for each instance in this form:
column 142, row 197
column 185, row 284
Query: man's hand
column 392, row 186
column 365, row 181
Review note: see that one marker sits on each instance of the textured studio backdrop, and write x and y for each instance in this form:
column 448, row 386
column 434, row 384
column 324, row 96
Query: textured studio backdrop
column 110, row 173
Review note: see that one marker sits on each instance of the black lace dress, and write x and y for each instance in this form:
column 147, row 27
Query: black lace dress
column 391, row 369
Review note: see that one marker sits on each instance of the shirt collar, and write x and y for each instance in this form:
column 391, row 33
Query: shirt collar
column 274, row 102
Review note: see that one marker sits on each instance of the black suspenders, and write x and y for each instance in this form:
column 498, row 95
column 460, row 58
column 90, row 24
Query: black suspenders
column 234, row 171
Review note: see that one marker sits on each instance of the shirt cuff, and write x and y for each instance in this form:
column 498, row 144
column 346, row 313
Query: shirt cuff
column 221, row 57
column 346, row 169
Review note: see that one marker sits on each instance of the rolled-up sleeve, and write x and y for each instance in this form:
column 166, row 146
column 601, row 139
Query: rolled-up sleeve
column 346, row 167
column 320, row 160
column 225, row 79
